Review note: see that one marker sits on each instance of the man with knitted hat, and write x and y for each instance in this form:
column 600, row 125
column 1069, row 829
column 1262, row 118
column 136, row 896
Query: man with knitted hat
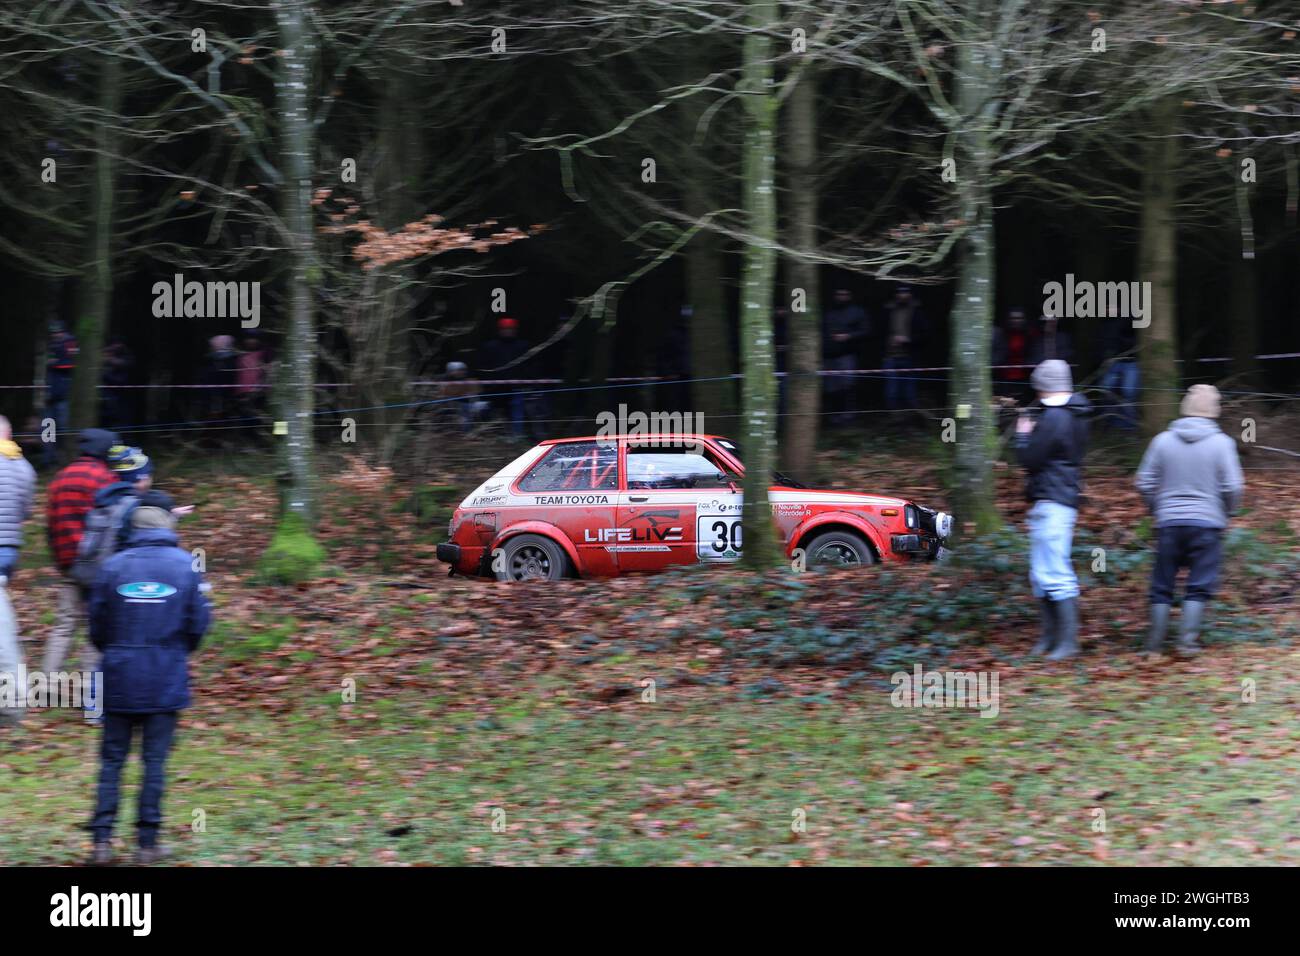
column 1191, row 480
column 148, row 611
column 1051, row 439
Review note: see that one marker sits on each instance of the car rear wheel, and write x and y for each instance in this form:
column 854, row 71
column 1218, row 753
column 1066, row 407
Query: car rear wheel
column 530, row 557
column 836, row 549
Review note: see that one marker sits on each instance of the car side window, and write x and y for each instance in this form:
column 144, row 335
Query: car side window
column 580, row 466
column 655, row 467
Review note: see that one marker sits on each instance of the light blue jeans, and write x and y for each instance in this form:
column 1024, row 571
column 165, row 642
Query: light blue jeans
column 1051, row 534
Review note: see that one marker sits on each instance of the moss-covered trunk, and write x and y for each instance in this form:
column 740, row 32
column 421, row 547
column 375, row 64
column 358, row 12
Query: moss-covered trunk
column 971, row 391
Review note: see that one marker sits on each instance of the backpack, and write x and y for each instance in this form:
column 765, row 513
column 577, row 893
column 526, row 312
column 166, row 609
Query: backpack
column 104, row 535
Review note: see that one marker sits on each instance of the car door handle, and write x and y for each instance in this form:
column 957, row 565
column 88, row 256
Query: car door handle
column 638, row 497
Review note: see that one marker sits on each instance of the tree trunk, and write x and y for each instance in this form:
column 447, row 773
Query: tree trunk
column 758, row 386
column 803, row 330
column 971, row 390
column 1158, row 264
column 708, row 332
column 96, row 302
column 297, row 399
column 387, row 334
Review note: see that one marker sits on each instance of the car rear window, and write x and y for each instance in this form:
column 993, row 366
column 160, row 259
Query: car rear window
column 581, row 465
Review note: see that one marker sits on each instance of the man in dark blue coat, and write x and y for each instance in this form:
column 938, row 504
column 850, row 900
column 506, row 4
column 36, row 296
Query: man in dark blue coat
column 148, row 611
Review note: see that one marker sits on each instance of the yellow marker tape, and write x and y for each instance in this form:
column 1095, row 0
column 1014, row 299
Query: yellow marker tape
column 281, row 428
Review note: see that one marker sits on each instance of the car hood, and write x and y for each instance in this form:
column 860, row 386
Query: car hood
column 827, row 496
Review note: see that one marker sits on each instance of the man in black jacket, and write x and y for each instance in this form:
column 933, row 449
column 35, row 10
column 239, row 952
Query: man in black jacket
column 1051, row 439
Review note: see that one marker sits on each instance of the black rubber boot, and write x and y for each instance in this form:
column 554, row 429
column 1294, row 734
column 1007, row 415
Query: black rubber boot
column 1159, row 626
column 1048, row 639
column 101, row 855
column 1191, row 627
column 1067, row 629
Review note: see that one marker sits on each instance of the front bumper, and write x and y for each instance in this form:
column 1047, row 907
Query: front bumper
column 449, row 553
column 930, row 538
column 915, row 545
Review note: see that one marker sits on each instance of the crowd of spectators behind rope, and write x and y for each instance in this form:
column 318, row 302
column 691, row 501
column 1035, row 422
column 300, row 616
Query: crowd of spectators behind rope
column 878, row 356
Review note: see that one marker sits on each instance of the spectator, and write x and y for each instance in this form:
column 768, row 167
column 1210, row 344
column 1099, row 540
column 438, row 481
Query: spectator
column 109, row 519
column 17, row 488
column 501, row 358
column 903, row 336
column 118, row 363
column 844, row 331
column 72, row 495
column 59, row 364
column 148, row 611
column 1054, row 342
column 1011, row 349
column 1191, row 480
column 250, row 368
column 218, row 373
column 455, row 386
column 12, row 666
column 1051, row 449
column 1122, row 377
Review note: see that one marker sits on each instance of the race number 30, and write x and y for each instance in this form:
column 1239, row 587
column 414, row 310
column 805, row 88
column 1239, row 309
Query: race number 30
column 718, row 537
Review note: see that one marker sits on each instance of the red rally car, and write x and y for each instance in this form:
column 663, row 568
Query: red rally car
column 593, row 507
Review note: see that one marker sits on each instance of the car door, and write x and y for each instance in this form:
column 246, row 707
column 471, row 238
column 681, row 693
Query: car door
column 668, row 486
column 574, row 487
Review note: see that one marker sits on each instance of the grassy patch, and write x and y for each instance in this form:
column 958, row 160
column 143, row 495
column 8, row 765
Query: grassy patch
column 1182, row 769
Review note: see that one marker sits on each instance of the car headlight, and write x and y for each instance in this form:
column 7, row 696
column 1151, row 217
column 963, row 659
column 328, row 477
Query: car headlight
column 910, row 516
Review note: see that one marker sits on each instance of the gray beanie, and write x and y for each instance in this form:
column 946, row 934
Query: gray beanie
column 1052, row 376
column 148, row 516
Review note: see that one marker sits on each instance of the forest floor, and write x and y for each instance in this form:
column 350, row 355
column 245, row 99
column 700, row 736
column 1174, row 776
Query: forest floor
column 516, row 724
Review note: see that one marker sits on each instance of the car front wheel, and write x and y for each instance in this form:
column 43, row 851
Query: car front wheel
column 838, row 549
column 530, row 557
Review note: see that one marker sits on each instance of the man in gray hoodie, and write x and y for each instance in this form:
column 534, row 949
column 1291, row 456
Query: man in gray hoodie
column 1191, row 480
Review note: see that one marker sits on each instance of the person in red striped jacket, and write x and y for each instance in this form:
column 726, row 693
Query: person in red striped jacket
column 72, row 495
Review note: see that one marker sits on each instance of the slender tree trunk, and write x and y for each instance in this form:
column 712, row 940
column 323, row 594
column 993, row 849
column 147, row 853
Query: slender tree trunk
column 803, row 331
column 1158, row 264
column 297, row 150
column 711, row 353
column 758, row 366
column 971, row 391
column 96, row 302
column 387, row 336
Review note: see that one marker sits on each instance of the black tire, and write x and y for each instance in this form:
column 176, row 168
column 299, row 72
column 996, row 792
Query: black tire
column 531, row 557
column 838, row 549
